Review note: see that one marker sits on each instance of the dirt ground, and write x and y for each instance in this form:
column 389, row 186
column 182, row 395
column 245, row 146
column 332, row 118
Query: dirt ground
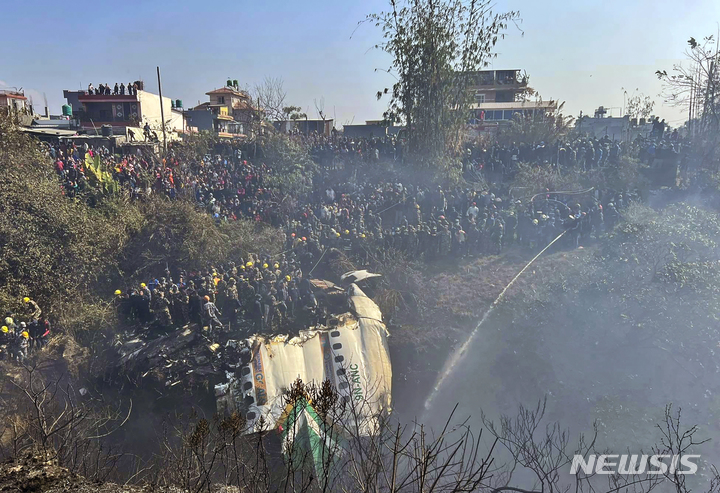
column 33, row 474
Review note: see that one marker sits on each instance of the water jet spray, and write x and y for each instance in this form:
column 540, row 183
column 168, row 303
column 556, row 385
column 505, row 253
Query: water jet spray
column 458, row 355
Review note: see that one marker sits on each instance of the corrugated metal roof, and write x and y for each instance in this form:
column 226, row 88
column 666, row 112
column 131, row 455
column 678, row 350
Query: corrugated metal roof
column 48, row 131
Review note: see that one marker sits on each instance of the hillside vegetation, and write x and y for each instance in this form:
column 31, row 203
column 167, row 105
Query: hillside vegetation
column 67, row 256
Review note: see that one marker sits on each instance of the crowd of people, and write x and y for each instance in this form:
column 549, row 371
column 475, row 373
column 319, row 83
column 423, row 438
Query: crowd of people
column 366, row 219
column 265, row 293
column 105, row 90
column 262, row 294
column 581, row 152
column 23, row 332
column 367, row 222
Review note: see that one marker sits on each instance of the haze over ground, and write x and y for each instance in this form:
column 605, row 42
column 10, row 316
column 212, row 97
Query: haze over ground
column 582, row 53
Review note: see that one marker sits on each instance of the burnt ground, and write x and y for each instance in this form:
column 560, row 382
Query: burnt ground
column 33, row 474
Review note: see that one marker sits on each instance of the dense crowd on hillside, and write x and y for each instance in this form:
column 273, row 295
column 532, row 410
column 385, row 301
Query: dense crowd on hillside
column 270, row 293
column 365, row 219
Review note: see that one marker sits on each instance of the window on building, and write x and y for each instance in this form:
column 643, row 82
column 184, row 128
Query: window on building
column 221, row 99
column 479, row 97
column 498, row 115
column 504, row 96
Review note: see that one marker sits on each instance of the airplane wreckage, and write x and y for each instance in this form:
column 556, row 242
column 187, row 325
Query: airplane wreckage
column 252, row 375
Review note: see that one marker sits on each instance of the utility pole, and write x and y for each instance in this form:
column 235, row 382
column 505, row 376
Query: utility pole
column 162, row 112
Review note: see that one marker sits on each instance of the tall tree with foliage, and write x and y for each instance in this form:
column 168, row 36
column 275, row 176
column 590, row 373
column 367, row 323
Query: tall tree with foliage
column 437, row 47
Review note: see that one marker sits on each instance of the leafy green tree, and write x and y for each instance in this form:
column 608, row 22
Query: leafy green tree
column 547, row 127
column 640, row 106
column 437, row 47
column 292, row 168
column 294, row 113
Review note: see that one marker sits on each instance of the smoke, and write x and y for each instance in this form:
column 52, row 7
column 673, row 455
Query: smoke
column 610, row 334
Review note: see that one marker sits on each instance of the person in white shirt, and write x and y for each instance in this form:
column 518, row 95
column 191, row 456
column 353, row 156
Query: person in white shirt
column 473, row 211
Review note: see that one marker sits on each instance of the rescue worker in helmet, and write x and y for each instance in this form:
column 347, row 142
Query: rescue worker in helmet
column 4, row 341
column 32, row 309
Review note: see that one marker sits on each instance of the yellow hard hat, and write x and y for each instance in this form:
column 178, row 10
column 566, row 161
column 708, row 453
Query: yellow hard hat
column 26, row 299
column 265, row 266
column 288, row 277
column 337, row 234
column 118, row 292
column 242, row 267
column 277, row 266
column 249, row 264
column 25, row 334
column 5, row 329
column 362, row 235
column 347, row 232
column 143, row 285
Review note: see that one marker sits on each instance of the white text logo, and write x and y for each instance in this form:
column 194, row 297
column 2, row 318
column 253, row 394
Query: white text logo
column 634, row 464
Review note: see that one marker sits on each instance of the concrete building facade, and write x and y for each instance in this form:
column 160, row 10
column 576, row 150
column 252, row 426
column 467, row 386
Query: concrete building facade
column 229, row 113
column 15, row 101
column 121, row 111
column 499, row 95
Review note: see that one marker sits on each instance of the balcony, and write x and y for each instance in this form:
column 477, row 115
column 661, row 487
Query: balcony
column 500, row 79
column 107, row 98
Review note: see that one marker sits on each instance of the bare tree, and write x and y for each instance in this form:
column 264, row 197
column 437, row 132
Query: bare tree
column 45, row 416
column 320, row 108
column 269, row 98
column 696, row 87
column 677, row 441
column 329, row 441
column 545, row 451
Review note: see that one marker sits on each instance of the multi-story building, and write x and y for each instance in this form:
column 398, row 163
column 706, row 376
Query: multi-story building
column 120, row 111
column 229, row 113
column 14, row 101
column 499, row 95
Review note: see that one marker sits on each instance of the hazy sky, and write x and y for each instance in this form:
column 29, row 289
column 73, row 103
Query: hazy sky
column 581, row 52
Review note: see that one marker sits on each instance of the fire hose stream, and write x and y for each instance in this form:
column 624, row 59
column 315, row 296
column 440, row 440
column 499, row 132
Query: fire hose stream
column 457, row 356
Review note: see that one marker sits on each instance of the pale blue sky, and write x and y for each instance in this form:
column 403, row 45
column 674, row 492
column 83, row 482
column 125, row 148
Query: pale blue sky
column 580, row 52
